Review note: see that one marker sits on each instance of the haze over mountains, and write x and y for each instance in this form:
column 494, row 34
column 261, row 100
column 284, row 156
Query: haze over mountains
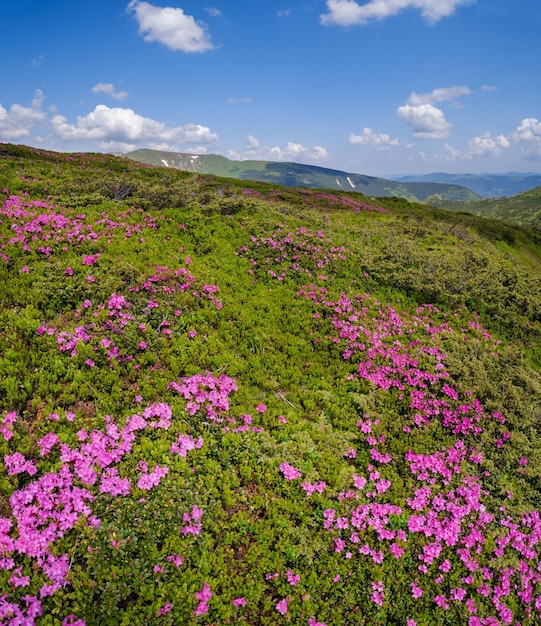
column 485, row 185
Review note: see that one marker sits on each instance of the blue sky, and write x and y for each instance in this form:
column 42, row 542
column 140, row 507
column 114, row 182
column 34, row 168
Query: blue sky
column 381, row 87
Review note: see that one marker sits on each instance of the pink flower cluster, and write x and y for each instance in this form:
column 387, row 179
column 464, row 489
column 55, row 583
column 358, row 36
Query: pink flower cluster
column 204, row 597
column 6, row 425
column 290, row 472
column 38, row 226
column 184, row 444
column 449, row 530
column 299, row 251
column 206, row 392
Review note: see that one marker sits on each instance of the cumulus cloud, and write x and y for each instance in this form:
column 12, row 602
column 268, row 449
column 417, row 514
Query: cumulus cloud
column 292, row 152
column 19, row 120
column 529, row 134
column 349, row 12
column 170, row 27
column 124, row 126
column 425, row 120
column 486, row 145
column 380, row 141
column 109, row 90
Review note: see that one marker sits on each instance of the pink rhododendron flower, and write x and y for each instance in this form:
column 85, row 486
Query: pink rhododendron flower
column 73, row 620
column 281, row 607
column 292, row 578
column 166, row 608
column 290, row 472
column 176, row 559
column 16, row 463
column 6, row 426
column 203, row 596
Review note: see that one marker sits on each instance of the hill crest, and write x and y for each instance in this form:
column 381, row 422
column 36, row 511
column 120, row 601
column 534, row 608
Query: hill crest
column 290, row 174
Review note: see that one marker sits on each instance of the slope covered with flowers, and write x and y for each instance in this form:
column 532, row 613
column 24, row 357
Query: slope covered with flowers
column 227, row 403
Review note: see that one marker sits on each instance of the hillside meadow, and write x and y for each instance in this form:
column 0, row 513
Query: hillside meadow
column 524, row 209
column 228, row 402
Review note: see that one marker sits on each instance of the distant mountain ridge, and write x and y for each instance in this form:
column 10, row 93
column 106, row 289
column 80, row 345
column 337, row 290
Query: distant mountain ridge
column 485, row 185
column 300, row 175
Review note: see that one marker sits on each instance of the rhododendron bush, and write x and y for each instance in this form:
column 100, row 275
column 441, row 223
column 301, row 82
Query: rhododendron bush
column 222, row 403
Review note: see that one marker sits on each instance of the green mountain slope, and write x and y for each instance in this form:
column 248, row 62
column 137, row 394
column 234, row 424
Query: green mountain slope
column 523, row 209
column 299, row 175
column 231, row 402
column 485, row 185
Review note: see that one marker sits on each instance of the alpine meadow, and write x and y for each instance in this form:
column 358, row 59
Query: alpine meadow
column 231, row 402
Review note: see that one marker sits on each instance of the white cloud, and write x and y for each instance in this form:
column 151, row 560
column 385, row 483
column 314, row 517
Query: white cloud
column 239, row 100
column 443, row 94
column 380, row 141
column 529, row 134
column 451, row 153
column 349, row 12
column 297, row 151
column 109, row 90
column 19, row 120
column 292, row 152
column 213, row 12
column 486, row 145
column 170, row 27
column 425, row 120
column 284, row 13
column 124, row 126
column 38, row 61
column 116, row 146
column 253, row 142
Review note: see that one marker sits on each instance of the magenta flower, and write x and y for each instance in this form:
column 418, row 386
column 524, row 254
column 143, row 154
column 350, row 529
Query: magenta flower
column 281, row 607
column 17, row 464
column 290, row 472
column 6, row 426
column 176, row 559
column 73, row 620
column 203, row 596
column 166, row 608
column 239, row 602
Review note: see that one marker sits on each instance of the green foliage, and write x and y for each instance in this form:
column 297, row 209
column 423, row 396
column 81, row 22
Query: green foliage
column 188, row 275
column 521, row 209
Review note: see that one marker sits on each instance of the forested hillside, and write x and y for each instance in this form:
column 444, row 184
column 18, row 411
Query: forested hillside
column 229, row 402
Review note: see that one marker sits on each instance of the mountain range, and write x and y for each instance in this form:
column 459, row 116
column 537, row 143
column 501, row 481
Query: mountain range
column 421, row 188
column 300, row 175
column 484, row 185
